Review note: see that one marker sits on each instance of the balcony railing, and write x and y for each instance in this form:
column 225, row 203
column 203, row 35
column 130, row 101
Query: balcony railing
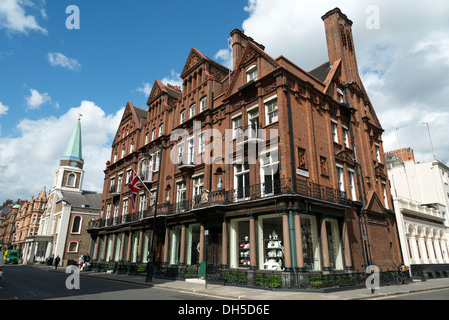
column 262, row 191
column 249, row 133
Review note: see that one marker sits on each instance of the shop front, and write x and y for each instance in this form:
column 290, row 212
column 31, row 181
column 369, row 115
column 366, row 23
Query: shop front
column 267, row 242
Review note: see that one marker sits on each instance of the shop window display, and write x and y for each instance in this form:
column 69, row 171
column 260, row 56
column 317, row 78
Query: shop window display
column 335, row 254
column 175, row 245
column 240, row 246
column 193, row 245
column 271, row 247
column 311, row 253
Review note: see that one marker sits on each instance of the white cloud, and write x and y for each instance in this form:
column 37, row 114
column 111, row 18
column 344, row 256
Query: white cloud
column 174, row 79
column 28, row 162
column 403, row 64
column 145, row 89
column 14, row 19
column 3, row 109
column 58, row 59
column 36, row 99
column 224, row 56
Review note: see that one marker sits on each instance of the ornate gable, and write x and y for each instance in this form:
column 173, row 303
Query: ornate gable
column 129, row 113
column 250, row 55
column 194, row 59
column 157, row 89
column 374, row 209
column 345, row 156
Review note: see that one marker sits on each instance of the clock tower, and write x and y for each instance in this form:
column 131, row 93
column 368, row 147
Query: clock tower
column 69, row 174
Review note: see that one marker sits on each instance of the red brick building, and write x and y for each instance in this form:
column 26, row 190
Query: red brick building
column 284, row 168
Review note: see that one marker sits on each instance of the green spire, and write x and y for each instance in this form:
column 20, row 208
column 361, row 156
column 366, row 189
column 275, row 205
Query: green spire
column 74, row 148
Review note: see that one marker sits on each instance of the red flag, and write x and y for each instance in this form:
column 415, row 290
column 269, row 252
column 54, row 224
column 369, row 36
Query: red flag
column 135, row 185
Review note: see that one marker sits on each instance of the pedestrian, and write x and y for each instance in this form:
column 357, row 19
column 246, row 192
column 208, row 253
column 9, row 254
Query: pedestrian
column 57, row 260
column 80, row 262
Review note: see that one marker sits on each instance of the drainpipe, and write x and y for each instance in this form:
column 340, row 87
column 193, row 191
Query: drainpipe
column 212, row 138
column 290, row 135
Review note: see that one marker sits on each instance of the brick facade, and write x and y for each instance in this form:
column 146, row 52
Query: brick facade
column 319, row 171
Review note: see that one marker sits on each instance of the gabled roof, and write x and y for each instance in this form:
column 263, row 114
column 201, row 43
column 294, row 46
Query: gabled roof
column 322, row 71
column 86, row 199
column 196, row 58
column 158, row 88
column 136, row 114
column 373, row 204
column 251, row 52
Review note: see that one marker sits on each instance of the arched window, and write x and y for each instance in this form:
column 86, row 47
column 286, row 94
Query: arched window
column 76, row 224
column 348, row 36
column 71, row 180
column 73, row 246
column 343, row 36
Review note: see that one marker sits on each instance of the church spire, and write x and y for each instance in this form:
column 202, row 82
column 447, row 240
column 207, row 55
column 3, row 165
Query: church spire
column 74, row 147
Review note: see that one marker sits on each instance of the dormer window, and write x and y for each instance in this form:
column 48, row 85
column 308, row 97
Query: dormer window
column 203, row 104
column 183, row 116
column 192, row 110
column 251, row 73
column 161, row 130
column 340, row 96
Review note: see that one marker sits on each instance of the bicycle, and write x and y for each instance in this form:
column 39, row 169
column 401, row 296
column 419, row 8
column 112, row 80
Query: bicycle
column 401, row 276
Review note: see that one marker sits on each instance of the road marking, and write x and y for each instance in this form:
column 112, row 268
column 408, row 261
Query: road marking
column 407, row 294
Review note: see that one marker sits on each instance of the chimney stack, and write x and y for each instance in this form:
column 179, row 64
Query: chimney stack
column 239, row 42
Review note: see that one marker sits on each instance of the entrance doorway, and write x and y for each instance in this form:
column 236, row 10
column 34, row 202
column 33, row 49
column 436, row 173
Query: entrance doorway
column 214, row 246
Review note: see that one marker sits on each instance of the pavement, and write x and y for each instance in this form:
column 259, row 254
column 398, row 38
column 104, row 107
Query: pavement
column 228, row 292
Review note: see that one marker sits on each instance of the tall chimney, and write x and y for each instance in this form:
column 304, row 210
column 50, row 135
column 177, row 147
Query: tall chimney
column 340, row 44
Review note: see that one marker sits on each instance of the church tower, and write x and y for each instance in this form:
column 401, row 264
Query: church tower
column 69, row 175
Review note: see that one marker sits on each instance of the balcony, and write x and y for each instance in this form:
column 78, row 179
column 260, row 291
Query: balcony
column 415, row 208
column 146, row 176
column 184, row 164
column 259, row 192
column 249, row 134
column 114, row 191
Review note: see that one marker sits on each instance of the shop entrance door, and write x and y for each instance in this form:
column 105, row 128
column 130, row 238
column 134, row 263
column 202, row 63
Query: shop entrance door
column 214, row 246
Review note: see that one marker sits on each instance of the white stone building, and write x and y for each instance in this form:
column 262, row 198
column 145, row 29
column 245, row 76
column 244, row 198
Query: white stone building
column 62, row 231
column 420, row 194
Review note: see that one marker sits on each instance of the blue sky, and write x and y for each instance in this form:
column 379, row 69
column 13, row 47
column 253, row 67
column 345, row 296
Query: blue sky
column 119, row 46
column 50, row 74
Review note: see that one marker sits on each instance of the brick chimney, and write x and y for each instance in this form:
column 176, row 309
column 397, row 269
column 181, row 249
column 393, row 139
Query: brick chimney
column 340, row 44
column 239, row 42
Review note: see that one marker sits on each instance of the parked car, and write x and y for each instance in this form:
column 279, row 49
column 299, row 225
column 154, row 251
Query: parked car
column 1, row 264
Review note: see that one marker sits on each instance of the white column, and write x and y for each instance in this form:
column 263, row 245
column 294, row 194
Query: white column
column 25, row 253
column 432, row 257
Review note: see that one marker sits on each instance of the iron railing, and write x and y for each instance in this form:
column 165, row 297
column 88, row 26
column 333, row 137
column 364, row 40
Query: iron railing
column 274, row 280
column 277, row 187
